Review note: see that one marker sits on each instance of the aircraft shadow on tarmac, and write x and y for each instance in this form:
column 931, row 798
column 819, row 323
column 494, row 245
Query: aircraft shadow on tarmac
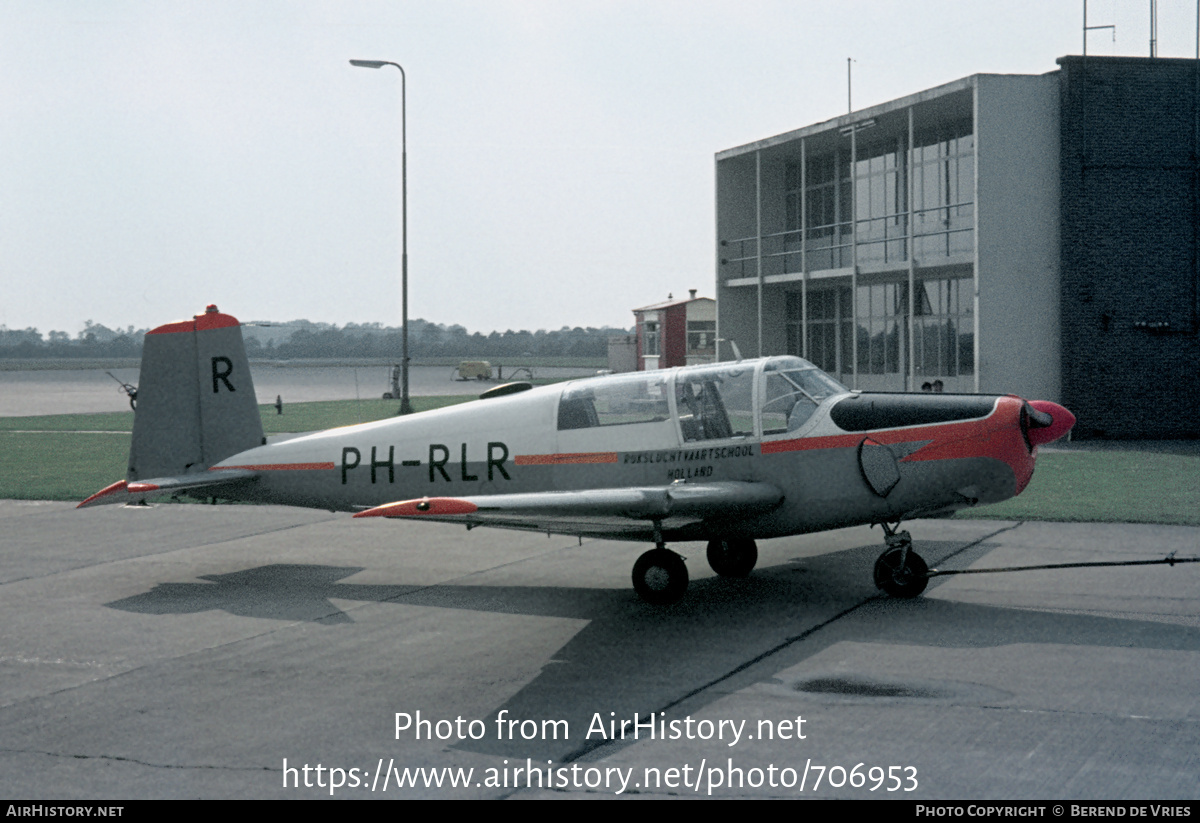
column 633, row 657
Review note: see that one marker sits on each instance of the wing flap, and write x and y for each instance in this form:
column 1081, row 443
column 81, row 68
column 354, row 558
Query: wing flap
column 125, row 492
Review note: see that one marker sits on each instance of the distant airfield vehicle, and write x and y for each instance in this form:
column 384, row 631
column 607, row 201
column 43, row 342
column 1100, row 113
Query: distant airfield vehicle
column 474, row 370
column 726, row 453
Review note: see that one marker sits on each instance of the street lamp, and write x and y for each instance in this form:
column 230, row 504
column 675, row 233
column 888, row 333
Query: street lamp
column 405, row 408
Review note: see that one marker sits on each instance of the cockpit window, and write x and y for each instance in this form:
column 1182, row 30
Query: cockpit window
column 614, row 401
column 715, row 402
column 792, row 390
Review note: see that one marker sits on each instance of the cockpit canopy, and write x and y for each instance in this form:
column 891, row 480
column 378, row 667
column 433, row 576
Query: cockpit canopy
column 724, row 400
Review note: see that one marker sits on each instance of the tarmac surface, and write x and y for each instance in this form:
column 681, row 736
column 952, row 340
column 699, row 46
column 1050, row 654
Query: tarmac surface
column 181, row 651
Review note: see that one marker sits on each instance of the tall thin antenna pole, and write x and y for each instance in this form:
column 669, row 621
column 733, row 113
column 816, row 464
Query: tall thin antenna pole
column 1154, row 28
column 849, row 99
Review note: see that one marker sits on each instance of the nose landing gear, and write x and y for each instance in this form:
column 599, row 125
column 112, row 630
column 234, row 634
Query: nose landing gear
column 900, row 571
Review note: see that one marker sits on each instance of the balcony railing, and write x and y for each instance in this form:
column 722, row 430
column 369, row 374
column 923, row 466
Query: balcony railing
column 939, row 232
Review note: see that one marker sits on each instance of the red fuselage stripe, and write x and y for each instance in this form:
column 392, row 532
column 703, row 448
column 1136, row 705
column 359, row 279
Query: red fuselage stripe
column 559, row 459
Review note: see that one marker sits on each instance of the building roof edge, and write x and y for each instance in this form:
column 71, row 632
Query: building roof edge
column 851, row 118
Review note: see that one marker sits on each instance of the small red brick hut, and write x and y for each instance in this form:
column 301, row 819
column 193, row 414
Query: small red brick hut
column 676, row 333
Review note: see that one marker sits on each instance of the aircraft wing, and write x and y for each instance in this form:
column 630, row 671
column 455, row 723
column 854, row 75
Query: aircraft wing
column 620, row 512
column 137, row 491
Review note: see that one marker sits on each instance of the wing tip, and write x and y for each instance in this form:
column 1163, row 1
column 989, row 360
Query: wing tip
column 112, row 488
column 422, row 507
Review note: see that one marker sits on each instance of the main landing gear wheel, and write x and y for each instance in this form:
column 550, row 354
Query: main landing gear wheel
column 901, row 576
column 660, row 577
column 732, row 558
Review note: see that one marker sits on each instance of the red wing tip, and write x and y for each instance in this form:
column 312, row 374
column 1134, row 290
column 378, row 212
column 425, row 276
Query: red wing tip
column 134, row 488
column 113, row 488
column 424, row 507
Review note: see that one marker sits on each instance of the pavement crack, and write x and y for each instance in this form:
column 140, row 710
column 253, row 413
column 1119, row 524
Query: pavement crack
column 981, row 540
column 135, row 761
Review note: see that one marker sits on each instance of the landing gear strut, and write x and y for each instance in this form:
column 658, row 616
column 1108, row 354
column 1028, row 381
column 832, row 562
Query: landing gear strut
column 900, row 571
column 732, row 558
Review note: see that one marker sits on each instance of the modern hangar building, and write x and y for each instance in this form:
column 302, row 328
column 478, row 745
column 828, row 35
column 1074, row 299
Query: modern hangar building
column 1033, row 234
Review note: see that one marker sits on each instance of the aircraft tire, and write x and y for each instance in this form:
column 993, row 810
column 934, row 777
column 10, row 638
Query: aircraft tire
column 660, row 577
column 732, row 558
column 897, row 581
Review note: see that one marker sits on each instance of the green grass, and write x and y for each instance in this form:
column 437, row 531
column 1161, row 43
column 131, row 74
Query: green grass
column 60, row 465
column 1106, row 487
column 102, row 422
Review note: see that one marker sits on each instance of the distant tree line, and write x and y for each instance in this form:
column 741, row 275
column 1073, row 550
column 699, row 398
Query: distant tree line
column 94, row 341
column 304, row 340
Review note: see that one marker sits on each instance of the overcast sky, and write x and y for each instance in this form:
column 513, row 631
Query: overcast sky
column 159, row 156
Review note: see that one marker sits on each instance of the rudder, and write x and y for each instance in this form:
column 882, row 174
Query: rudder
column 195, row 403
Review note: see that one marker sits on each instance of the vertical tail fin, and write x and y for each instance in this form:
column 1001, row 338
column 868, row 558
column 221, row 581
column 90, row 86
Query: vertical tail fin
column 195, row 399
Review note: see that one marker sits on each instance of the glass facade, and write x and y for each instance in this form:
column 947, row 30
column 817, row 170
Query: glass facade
column 882, row 310
column 942, row 326
column 826, row 201
column 829, row 323
column 944, row 194
column 881, row 202
column 848, row 218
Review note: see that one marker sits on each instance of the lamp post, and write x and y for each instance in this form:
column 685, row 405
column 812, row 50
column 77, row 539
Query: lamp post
column 405, row 408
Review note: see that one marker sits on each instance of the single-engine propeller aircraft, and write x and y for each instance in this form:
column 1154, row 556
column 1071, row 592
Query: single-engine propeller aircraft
column 725, row 453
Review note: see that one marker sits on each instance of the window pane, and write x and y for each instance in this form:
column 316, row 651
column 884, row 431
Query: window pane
column 609, row 402
column 715, row 403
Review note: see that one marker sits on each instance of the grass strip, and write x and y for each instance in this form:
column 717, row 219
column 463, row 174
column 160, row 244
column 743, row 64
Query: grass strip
column 1106, row 487
column 59, row 465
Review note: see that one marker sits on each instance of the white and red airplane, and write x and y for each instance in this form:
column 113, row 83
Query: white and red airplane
column 726, row 453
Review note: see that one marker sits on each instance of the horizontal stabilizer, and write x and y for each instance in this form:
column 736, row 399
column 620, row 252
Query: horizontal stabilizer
column 137, row 491
column 592, row 510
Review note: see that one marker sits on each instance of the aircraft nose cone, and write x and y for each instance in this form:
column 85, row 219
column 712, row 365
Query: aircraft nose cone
column 1061, row 422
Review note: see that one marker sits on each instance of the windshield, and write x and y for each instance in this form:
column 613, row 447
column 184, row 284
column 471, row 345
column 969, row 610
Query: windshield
column 792, row 390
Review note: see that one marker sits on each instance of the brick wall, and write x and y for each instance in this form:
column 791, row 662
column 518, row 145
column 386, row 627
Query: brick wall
column 1131, row 355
